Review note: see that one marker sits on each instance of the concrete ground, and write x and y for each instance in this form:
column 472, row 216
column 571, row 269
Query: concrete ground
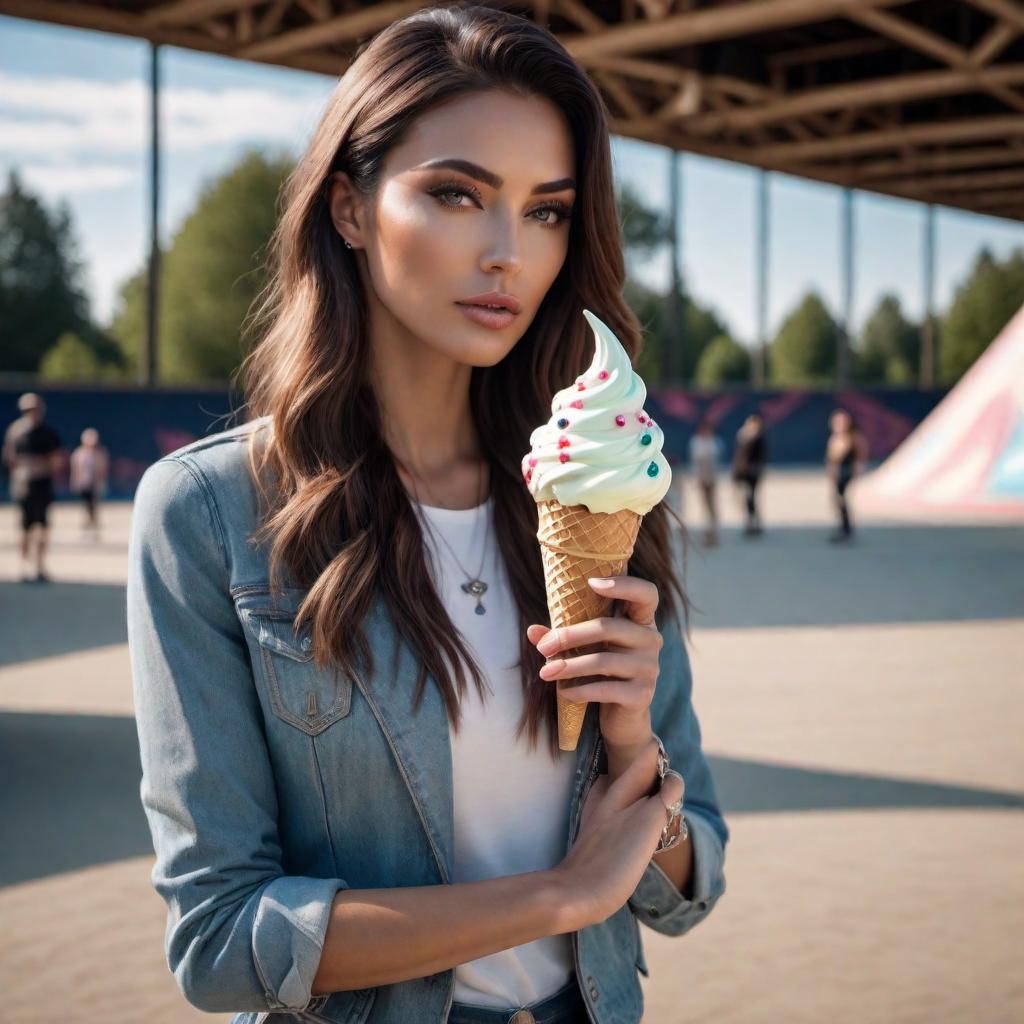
column 861, row 708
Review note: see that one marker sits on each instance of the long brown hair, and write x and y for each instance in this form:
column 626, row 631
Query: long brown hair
column 334, row 508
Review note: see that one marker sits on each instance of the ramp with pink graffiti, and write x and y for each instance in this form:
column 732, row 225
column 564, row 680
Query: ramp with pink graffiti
column 967, row 455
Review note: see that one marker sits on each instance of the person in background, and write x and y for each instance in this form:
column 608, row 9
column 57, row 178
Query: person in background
column 705, row 454
column 846, row 454
column 748, row 462
column 89, row 471
column 31, row 453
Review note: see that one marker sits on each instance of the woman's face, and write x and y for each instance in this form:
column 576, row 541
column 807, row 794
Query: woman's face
column 435, row 236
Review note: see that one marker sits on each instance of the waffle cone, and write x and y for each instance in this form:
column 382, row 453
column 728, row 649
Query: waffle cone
column 576, row 544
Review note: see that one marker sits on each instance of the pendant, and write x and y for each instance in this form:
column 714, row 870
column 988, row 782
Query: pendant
column 477, row 588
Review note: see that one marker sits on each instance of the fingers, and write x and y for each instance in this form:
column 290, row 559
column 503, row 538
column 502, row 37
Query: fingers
column 639, row 597
column 609, row 630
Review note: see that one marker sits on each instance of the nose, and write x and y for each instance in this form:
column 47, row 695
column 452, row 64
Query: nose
column 503, row 252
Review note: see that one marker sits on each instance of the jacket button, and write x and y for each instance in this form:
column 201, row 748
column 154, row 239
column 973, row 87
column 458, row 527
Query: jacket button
column 654, row 911
column 592, row 988
column 702, row 905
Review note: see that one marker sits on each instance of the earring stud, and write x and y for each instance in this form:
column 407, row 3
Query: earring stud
column 348, row 245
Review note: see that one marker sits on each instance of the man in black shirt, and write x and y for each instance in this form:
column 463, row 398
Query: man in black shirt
column 31, row 452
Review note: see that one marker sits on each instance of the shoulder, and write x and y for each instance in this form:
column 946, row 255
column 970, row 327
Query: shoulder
column 211, row 471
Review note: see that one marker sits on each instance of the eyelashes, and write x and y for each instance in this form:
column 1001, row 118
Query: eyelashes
column 446, row 188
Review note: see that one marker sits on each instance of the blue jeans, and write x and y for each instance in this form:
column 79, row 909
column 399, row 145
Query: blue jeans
column 564, row 1007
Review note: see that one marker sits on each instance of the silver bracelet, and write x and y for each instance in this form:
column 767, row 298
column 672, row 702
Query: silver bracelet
column 674, row 811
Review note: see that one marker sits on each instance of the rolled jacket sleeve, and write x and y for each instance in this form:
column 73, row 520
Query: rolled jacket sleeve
column 241, row 934
column 656, row 901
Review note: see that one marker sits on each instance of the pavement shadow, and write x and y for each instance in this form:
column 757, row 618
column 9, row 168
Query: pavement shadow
column 71, row 796
column 792, row 576
column 42, row 620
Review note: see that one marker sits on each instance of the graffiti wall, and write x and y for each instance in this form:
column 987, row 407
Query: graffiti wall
column 138, row 426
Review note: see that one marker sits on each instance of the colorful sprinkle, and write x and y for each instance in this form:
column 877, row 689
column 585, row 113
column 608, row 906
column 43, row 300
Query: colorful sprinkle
column 603, row 375
column 563, row 423
column 641, row 417
column 620, row 421
column 646, row 439
column 563, row 442
column 529, row 473
column 578, row 403
column 580, row 386
column 652, row 469
column 564, row 457
column 532, row 462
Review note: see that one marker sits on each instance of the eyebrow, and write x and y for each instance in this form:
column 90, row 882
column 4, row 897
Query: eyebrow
column 489, row 177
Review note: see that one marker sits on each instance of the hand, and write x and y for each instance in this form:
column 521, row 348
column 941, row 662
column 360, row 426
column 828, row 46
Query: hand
column 619, row 830
column 632, row 643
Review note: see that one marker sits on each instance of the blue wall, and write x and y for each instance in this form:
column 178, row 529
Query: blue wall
column 140, row 425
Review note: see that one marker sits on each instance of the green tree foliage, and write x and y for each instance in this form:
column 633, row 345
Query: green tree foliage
column 644, row 229
column 656, row 314
column 890, row 346
column 804, row 350
column 209, row 276
column 724, row 361
column 41, row 289
column 982, row 306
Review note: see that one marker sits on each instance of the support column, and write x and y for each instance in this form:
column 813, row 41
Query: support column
column 928, row 325
column 148, row 363
column 676, row 336
column 760, row 360
column 845, row 326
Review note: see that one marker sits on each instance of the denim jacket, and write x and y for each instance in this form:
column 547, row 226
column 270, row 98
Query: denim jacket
column 269, row 785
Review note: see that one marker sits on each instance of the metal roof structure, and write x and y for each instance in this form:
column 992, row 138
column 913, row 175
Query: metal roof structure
column 921, row 99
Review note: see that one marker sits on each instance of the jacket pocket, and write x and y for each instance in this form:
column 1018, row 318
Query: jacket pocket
column 307, row 697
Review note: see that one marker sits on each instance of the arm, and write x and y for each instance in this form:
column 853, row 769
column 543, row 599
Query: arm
column 381, row 936
column 241, row 933
column 657, row 900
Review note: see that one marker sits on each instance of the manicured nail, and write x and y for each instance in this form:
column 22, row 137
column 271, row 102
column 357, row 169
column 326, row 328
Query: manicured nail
column 597, row 581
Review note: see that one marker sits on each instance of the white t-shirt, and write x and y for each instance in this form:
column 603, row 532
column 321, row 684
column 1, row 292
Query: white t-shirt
column 704, row 456
column 511, row 802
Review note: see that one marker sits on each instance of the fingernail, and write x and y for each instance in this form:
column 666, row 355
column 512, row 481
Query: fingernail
column 548, row 644
column 599, row 581
column 551, row 668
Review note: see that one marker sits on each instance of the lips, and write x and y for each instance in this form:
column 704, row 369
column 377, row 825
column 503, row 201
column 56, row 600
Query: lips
column 492, row 300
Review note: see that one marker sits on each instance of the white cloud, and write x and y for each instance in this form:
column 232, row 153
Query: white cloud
column 54, row 182
column 61, row 122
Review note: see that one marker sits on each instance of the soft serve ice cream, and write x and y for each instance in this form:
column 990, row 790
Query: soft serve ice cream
column 595, row 470
column 600, row 449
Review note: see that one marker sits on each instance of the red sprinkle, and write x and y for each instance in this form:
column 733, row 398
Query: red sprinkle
column 578, row 403
column 580, row 386
column 603, row 375
column 532, row 462
column 529, row 473
column 641, row 417
column 563, row 442
column 620, row 421
column 564, row 457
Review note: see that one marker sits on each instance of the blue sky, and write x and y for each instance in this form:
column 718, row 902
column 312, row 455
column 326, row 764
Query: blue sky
column 74, row 122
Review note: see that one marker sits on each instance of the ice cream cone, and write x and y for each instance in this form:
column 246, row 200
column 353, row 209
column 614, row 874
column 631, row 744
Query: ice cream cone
column 575, row 545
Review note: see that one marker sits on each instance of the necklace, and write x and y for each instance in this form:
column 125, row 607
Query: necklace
column 474, row 584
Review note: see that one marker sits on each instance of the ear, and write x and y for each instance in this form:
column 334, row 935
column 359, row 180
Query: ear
column 345, row 204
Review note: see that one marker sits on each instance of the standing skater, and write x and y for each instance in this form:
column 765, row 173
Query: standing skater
column 351, row 776
column 31, row 452
column 845, row 457
column 749, row 459
column 705, row 454
column 89, row 471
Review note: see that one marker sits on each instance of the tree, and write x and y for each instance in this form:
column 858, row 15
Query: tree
column 210, row 276
column 804, row 350
column 890, row 346
column 981, row 308
column 723, row 361
column 41, row 290
column 644, row 229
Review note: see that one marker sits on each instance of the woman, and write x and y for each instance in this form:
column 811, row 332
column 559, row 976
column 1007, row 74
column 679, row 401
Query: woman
column 705, row 452
column 748, row 462
column 90, row 466
column 846, row 454
column 346, row 827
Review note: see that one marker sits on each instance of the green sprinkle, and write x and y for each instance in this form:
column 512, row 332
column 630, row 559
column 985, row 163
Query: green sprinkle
column 652, row 469
column 646, row 439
